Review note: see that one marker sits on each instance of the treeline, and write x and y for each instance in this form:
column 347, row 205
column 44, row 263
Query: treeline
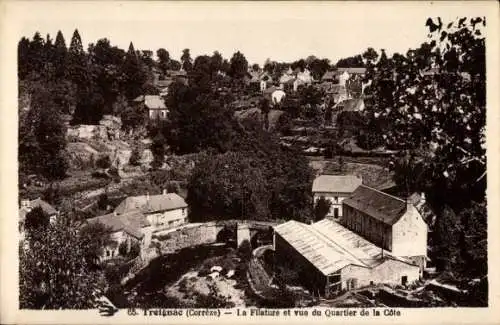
column 431, row 103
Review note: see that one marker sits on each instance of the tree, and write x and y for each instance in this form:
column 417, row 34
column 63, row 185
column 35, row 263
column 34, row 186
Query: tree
column 158, row 149
column 227, row 186
column 245, row 250
column 36, row 222
column 95, row 237
column 135, row 157
column 239, row 66
column 55, row 273
column 60, row 56
column 186, row 60
column 133, row 74
column 255, row 67
column 42, row 137
column 321, row 208
column 351, row 62
column 216, row 62
column 318, row 67
column 413, row 100
column 163, row 59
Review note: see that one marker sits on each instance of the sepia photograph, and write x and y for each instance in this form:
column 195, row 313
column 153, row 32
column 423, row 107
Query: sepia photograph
column 182, row 158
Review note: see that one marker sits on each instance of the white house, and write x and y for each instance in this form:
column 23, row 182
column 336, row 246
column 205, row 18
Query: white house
column 163, row 211
column 28, row 205
column 335, row 188
column 129, row 227
column 390, row 222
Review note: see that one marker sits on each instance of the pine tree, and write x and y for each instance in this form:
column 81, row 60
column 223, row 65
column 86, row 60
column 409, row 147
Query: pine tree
column 60, row 56
column 133, row 75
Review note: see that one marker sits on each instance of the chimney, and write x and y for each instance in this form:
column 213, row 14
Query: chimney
column 114, row 213
column 165, row 191
column 147, row 196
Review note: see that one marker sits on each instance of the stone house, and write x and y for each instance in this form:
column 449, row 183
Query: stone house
column 127, row 228
column 163, row 211
column 154, row 105
column 334, row 188
column 28, row 205
column 387, row 221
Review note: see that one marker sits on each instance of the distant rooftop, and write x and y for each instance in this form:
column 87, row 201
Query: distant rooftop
column 152, row 203
column 336, row 183
column 130, row 222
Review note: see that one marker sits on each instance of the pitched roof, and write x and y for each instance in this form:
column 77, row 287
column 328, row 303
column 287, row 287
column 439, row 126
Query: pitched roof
column 329, row 246
column 351, row 105
column 130, row 222
column 325, row 255
column 154, row 102
column 377, row 204
column 336, row 183
column 37, row 203
column 151, row 203
column 352, row 70
column 329, row 75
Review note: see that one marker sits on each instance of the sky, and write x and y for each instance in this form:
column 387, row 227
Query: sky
column 282, row 31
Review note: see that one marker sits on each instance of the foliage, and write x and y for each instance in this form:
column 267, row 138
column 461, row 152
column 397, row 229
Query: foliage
column 55, row 272
column 239, row 66
column 321, row 208
column 416, row 108
column 42, row 137
column 245, row 250
column 36, row 222
column 123, row 249
column 213, row 300
column 103, row 162
column 351, row 62
column 135, row 157
column 95, row 237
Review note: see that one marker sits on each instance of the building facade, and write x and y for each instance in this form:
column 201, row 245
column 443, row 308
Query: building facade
column 334, row 188
column 330, row 259
column 387, row 221
column 163, row 211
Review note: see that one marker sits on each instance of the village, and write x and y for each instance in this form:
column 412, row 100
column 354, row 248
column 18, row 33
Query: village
column 314, row 204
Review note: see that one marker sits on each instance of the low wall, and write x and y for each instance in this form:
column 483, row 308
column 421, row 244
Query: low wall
column 187, row 236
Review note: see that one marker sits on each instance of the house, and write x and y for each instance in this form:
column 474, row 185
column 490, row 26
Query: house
column 155, row 106
column 334, row 188
column 330, row 258
column 163, row 211
column 344, row 74
column 387, row 221
column 126, row 228
column 330, row 77
column 28, row 205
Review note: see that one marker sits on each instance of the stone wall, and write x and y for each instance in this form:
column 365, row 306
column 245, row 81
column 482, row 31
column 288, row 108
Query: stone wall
column 190, row 235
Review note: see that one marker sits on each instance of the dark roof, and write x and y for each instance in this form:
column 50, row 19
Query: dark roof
column 352, row 70
column 377, row 204
column 130, row 222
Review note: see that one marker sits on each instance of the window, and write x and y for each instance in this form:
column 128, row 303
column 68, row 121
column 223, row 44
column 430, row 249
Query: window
column 108, row 253
column 336, row 199
column 404, row 280
column 183, row 211
column 336, row 212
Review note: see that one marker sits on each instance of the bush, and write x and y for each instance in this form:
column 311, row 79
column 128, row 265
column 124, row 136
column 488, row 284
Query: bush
column 122, row 249
column 135, row 157
column 245, row 250
column 103, row 162
column 135, row 250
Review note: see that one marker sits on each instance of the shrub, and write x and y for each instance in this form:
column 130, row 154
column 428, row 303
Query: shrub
column 122, row 249
column 135, row 157
column 245, row 250
column 103, row 162
column 135, row 250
